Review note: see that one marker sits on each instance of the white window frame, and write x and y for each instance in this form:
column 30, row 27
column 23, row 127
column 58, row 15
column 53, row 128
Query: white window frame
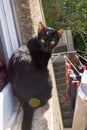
column 10, row 42
column 7, row 26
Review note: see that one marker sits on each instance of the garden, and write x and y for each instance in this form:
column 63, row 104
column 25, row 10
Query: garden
column 70, row 15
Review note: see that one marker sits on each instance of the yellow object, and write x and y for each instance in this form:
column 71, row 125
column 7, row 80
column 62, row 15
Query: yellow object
column 34, row 102
column 52, row 42
column 42, row 41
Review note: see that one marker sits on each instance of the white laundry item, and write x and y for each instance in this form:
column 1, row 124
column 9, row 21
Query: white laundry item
column 83, row 86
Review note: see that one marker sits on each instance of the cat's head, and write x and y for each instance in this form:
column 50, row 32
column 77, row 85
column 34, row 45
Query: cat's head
column 48, row 37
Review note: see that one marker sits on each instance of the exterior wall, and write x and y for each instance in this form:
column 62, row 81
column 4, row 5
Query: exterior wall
column 28, row 17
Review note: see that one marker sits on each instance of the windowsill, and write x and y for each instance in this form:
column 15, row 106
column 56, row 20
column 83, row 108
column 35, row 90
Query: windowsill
column 6, row 105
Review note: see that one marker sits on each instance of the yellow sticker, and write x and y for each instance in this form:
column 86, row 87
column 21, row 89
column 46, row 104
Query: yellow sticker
column 34, row 102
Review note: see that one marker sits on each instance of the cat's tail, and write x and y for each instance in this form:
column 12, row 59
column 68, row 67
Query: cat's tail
column 27, row 116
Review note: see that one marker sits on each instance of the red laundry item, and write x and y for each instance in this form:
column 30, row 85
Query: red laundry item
column 67, row 99
column 3, row 74
column 84, row 67
column 78, row 84
column 68, row 65
column 64, row 58
column 69, row 70
column 67, row 76
column 78, row 57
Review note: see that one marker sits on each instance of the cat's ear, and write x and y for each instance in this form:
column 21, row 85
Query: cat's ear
column 60, row 31
column 40, row 27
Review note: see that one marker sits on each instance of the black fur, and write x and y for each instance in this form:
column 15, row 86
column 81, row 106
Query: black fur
column 29, row 75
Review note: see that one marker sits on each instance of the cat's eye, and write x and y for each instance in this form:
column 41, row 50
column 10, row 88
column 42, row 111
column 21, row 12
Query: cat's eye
column 52, row 42
column 42, row 41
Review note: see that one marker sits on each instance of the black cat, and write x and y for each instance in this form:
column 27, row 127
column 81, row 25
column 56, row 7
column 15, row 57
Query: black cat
column 28, row 72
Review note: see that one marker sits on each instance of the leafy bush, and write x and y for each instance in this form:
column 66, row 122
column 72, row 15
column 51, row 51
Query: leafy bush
column 69, row 14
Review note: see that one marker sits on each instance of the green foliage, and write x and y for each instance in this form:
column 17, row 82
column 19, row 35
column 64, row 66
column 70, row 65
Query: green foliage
column 69, row 14
column 73, row 13
column 49, row 11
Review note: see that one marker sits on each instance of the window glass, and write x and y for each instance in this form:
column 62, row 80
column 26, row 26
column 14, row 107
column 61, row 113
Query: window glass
column 3, row 69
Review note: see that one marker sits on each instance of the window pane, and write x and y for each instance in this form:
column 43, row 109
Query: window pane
column 3, row 69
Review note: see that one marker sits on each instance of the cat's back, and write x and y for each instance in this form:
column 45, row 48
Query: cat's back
column 19, row 62
column 22, row 54
column 25, row 76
